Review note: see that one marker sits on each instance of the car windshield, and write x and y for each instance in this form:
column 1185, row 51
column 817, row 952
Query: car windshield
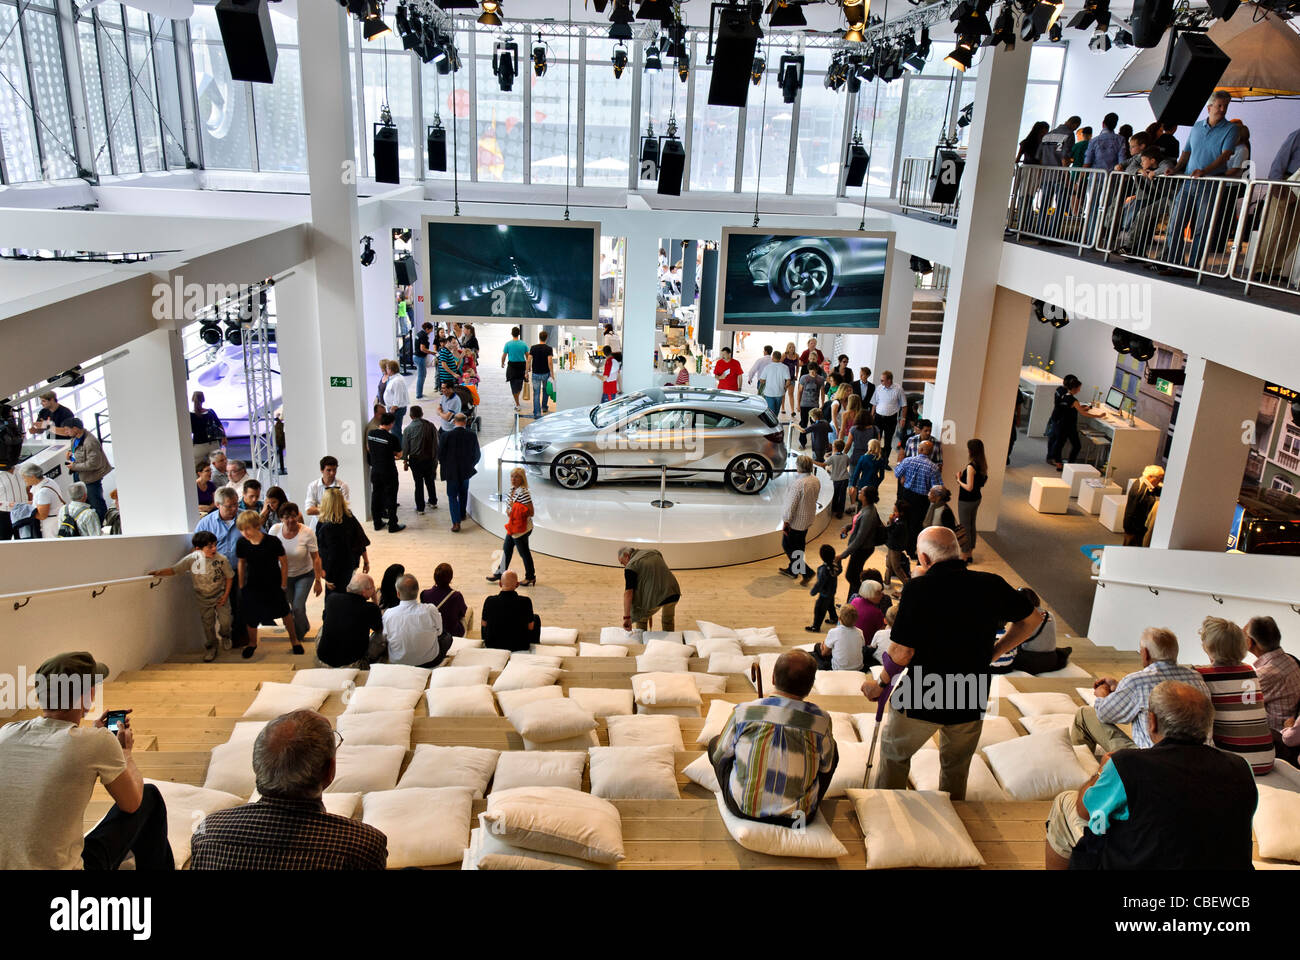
column 609, row 413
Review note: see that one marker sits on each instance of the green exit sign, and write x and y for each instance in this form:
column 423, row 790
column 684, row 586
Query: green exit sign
column 340, row 381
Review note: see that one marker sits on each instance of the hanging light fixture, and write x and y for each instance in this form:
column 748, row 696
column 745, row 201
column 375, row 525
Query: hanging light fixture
column 756, row 72
column 539, row 56
column 684, row 67
column 505, row 63
column 621, row 20
column 790, row 76
column 491, row 15
column 786, row 13
column 855, row 13
column 619, row 59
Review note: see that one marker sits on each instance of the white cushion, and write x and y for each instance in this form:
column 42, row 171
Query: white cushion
column 912, row 828
column 668, row 648
column 842, row 728
column 603, row 702
column 995, row 729
column 425, row 826
column 689, row 713
column 709, row 682
column 1087, row 695
column 1043, row 722
column 1277, row 823
column 1000, row 687
column 730, row 663
column 489, row 657
column 813, row 839
column 563, row 635
column 514, row 699
column 1036, row 767
column 662, row 664
column 980, row 783
column 713, row 630
column 521, row 676
column 276, row 699
column 487, row 852
column 365, row 768
column 644, row 730
column 665, row 690
column 186, row 807
column 552, row 768
column 838, row 683
column 536, row 659
column 700, row 770
column 553, row 650
column 583, row 742
column 1071, row 671
column 461, row 702
column 851, row 769
column 341, row 804
column 717, row 717
column 556, row 820
column 326, row 678
column 865, row 723
column 458, row 676
column 545, row 720
column 398, row 675
column 710, row 646
column 247, row 730
column 693, row 637
column 620, row 636
column 437, row 766
column 461, row 644
column 634, row 773
column 380, row 728
column 672, row 636
column 764, row 638
column 230, row 768
column 601, row 650
column 1087, row 759
column 1034, row 704
column 369, row 699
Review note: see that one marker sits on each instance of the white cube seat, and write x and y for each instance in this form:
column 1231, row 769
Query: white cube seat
column 1075, row 473
column 1112, row 512
column 1092, row 492
column 1049, row 495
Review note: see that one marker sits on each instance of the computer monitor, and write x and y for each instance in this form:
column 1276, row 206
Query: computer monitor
column 1115, row 399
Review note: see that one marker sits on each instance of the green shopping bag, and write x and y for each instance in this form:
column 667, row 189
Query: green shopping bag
column 550, row 388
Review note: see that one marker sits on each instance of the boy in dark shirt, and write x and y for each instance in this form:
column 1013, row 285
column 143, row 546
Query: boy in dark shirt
column 824, row 589
column 819, row 429
column 896, row 564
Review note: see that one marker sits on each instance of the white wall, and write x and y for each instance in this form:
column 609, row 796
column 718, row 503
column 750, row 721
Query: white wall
column 1085, row 81
column 1082, row 347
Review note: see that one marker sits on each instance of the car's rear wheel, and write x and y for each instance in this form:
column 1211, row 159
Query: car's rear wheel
column 573, row 470
column 747, row 475
column 804, row 278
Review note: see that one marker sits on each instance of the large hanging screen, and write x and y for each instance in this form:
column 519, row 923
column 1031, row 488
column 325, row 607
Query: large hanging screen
column 798, row 281
column 526, row 271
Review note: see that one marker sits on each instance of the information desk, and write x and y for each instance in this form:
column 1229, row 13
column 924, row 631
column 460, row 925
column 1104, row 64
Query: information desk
column 1041, row 388
column 51, row 455
column 1133, row 446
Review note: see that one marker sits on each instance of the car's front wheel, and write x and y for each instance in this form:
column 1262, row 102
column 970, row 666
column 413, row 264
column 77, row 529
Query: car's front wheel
column 803, row 278
column 748, row 475
column 573, row 470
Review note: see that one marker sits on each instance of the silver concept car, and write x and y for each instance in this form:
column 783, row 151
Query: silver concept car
column 697, row 433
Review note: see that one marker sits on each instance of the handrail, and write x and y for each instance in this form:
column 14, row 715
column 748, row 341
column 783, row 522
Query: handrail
column 95, row 588
column 1217, row 596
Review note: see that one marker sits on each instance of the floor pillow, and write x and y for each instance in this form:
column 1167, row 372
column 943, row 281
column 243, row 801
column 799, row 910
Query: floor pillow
column 668, row 648
column 709, row 682
column 763, row 639
column 686, row 713
column 1277, row 823
column 458, row 676
column 488, row 657
column 487, row 852
column 662, row 664
column 1087, row 694
column 717, row 717
column 379, row 728
column 437, row 766
column 712, row 631
column 913, row 828
column 851, row 769
column 186, row 807
column 642, row 730
column 398, row 675
column 461, row 644
column 666, row 690
column 842, row 728
column 620, row 636
column 980, row 783
column 514, row 699
column 582, row 742
column 700, row 771
column 362, row 769
column 230, row 768
column 1043, row 722
column 326, row 678
column 425, row 826
column 545, row 659
column 839, row 683
column 461, row 702
column 1036, row 767
column 276, row 699
column 634, row 773
column 521, row 676
column 552, row 650
column 369, row 699
column 556, row 820
column 603, row 702
column 1036, row 704
column 814, row 839
column 549, row 768
column 601, row 650
column 545, row 720
column 730, row 663
column 709, row 646
column 560, row 635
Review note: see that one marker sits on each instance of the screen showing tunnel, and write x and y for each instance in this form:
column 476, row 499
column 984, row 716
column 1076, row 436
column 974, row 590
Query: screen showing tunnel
column 791, row 281
column 511, row 272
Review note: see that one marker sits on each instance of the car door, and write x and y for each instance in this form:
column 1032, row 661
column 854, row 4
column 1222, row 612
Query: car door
column 660, row 437
column 716, row 441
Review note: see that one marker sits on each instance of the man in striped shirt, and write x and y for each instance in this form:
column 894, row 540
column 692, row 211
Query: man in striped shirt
column 1279, row 674
column 1240, row 721
column 776, row 756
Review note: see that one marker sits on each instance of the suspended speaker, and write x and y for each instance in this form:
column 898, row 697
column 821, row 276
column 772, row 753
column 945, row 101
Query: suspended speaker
column 386, row 154
column 733, row 58
column 945, row 176
column 246, row 34
column 438, row 148
column 1149, row 21
column 672, row 165
column 1195, row 69
column 404, row 268
column 856, row 162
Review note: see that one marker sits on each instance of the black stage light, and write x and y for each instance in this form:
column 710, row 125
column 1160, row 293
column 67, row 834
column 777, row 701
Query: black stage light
column 621, row 20
column 1093, row 12
column 786, row 14
column 539, row 57
column 654, row 10
column 210, row 333
column 652, row 61
column 855, row 15
column 918, row 53
column 967, row 115
column 367, row 251
column 1100, row 41
column 673, row 40
column 600, row 5
column 1119, row 339
column 373, row 27
column 1050, row 313
column 756, row 72
column 734, row 47
column 1054, row 32
column 1123, row 38
column 234, row 333
column 960, row 58
column 1140, row 348
column 650, row 154
column 249, row 42
column 866, row 71
column 790, row 75
column 684, row 67
column 1004, row 30
column 619, row 59
column 970, row 21
column 505, row 63
column 491, row 15
column 1224, row 9
column 409, row 37
column 920, row 265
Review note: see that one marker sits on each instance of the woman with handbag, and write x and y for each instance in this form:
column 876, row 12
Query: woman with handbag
column 519, row 525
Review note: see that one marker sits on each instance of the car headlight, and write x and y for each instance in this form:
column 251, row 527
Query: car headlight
column 535, row 446
column 762, row 250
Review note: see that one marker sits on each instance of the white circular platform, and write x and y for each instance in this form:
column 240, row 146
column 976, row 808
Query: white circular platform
column 707, row 526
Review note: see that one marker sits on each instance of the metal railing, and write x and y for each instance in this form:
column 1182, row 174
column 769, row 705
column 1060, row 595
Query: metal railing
column 914, row 190
column 1215, row 595
column 1267, row 249
column 95, row 589
column 1061, row 204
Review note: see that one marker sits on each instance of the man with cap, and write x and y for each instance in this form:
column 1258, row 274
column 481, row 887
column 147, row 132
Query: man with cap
column 86, row 459
column 48, row 768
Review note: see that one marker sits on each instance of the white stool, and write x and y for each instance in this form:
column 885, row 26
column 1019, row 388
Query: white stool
column 1075, row 473
column 1092, row 492
column 1049, row 495
column 1112, row 512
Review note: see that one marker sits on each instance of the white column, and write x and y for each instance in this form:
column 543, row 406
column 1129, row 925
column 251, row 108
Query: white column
column 379, row 293
column 327, row 114
column 1216, row 421
column 302, row 386
column 152, row 457
column 889, row 348
column 997, row 402
column 641, row 281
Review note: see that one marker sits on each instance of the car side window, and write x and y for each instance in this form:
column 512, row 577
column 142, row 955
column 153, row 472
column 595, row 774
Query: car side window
column 707, row 418
column 661, row 420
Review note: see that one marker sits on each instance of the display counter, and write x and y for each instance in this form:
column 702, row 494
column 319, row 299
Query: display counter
column 51, row 455
column 1041, row 388
column 1133, row 446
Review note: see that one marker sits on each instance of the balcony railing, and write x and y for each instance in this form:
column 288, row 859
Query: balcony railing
column 914, row 190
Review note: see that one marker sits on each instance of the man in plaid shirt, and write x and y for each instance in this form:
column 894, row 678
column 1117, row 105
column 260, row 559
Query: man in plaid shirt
column 916, row 474
column 924, row 428
column 775, row 757
column 1126, row 701
column 1278, row 672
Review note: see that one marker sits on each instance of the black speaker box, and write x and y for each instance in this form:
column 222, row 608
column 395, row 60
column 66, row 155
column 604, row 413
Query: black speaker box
column 1149, row 20
column 1196, row 67
column 945, row 176
column 437, row 148
column 857, row 162
column 386, row 154
column 733, row 58
column 672, row 165
column 246, row 34
column 404, row 267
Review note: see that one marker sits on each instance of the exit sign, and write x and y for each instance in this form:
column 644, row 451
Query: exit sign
column 340, row 381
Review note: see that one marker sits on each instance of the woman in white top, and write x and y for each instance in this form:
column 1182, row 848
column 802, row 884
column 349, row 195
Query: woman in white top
column 611, row 339
column 47, row 499
column 305, row 574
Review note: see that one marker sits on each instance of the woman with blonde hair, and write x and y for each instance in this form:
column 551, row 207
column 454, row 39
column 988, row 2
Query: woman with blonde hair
column 263, row 581
column 519, row 525
column 791, row 360
column 837, row 408
column 340, row 541
column 1240, row 719
column 849, row 411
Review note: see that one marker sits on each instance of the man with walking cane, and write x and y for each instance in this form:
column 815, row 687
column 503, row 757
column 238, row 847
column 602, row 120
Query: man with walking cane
column 946, row 633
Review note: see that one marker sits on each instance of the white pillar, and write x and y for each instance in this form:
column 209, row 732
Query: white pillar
column 379, row 298
column 889, row 348
column 302, row 386
column 327, row 114
column 1216, row 421
column 641, row 282
column 153, row 457
column 1007, row 331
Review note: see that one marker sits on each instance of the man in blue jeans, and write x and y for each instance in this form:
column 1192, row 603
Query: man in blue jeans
column 457, row 454
column 1208, row 149
column 424, row 355
column 541, row 365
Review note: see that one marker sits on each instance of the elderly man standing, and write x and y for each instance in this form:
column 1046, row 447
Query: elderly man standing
column 352, row 626
column 916, row 475
column 288, row 828
column 508, row 621
column 236, row 474
column 86, row 459
column 412, row 628
column 219, row 463
column 77, row 516
column 1126, row 700
column 775, row 757
column 800, row 512
column 946, row 633
column 649, row 587
column 1181, row 805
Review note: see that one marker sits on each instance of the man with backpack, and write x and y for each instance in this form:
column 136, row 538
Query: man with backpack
column 77, row 518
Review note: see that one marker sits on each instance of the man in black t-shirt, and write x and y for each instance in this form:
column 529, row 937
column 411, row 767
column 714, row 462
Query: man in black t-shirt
column 946, row 635
column 541, row 360
column 53, row 416
column 384, row 448
column 508, row 621
column 423, row 354
column 1064, row 422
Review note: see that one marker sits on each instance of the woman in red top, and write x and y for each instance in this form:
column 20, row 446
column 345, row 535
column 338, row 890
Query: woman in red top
column 728, row 371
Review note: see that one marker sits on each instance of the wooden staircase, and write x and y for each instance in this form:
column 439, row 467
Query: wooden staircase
column 921, row 362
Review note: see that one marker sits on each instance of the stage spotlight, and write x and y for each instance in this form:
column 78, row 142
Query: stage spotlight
column 1123, row 38
column 234, row 333
column 1100, row 41
column 786, row 14
column 1140, row 348
column 1004, row 30
column 960, row 58
column 539, row 57
column 1119, row 339
column 1054, row 34
column 210, row 333
column 409, row 37
column 491, row 15
column 917, row 54
column 652, row 61
column 1049, row 313
column 1040, row 19
column 621, row 20
column 920, row 265
column 684, row 67
column 1093, row 12
column 600, row 5
column 367, row 251
column 756, row 72
column 967, row 114
column 619, row 59
column 790, row 75
column 855, row 13
column 372, row 28
column 505, row 63
column 654, row 10
column 854, row 75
